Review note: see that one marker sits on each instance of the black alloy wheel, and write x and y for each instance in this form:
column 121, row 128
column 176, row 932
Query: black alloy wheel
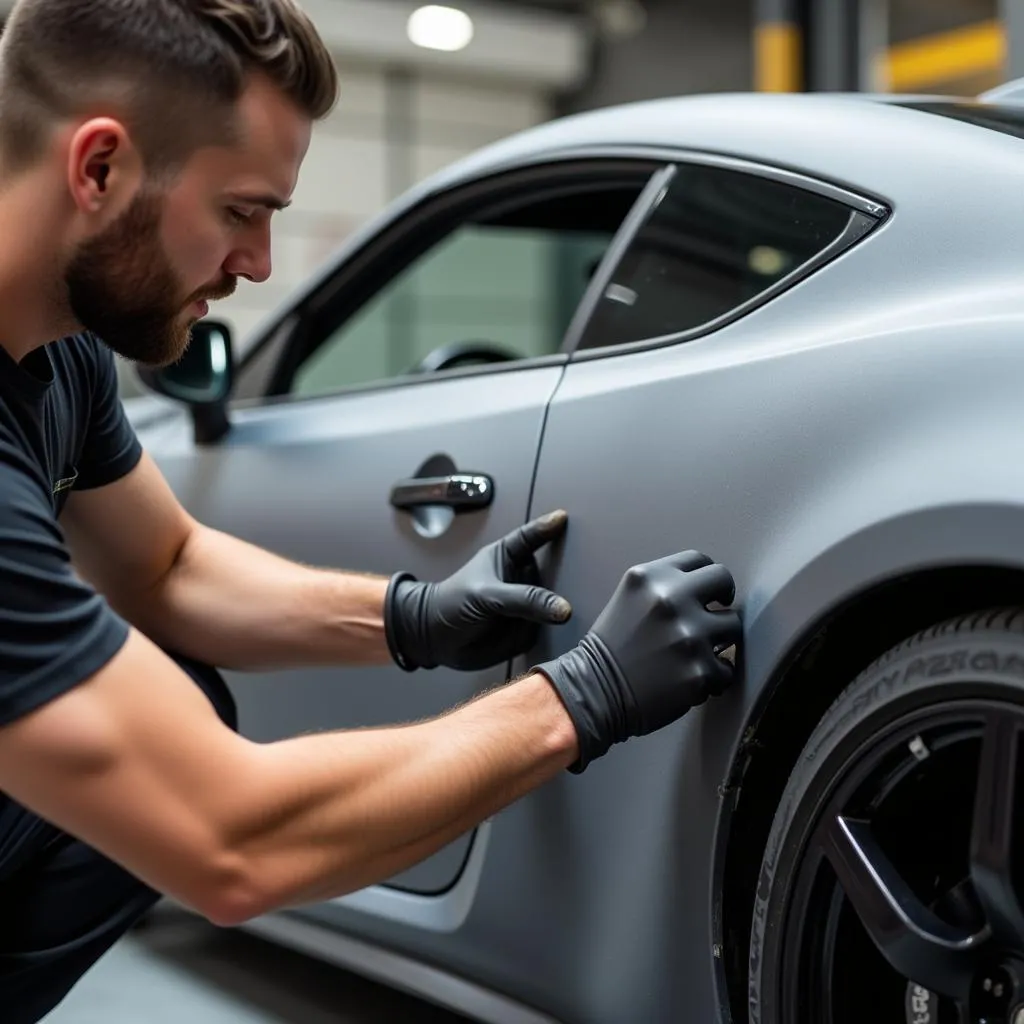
column 890, row 889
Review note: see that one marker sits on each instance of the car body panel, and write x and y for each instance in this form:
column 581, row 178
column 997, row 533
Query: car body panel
column 809, row 507
column 863, row 424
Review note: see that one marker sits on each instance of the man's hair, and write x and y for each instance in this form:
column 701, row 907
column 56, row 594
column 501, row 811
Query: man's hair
column 172, row 70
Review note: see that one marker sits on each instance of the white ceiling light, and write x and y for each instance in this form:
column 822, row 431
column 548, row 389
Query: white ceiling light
column 440, row 28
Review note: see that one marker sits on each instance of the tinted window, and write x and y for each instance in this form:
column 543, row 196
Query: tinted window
column 717, row 239
column 1007, row 120
column 507, row 282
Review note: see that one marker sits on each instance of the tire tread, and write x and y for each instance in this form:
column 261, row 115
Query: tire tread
column 1005, row 619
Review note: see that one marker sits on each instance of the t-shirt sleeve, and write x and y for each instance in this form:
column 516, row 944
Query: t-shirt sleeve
column 55, row 631
column 111, row 449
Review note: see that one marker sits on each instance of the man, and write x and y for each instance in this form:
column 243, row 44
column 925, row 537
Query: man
column 144, row 145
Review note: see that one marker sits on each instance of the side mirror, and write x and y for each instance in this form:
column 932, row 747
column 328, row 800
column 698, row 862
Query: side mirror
column 202, row 379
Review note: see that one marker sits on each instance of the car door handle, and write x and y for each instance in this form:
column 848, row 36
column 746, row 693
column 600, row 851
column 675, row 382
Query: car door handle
column 459, row 491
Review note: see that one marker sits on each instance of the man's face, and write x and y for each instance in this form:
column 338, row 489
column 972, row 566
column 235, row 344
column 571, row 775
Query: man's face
column 123, row 286
column 142, row 282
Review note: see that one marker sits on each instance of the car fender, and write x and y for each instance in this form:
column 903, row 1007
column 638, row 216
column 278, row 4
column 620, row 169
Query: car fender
column 779, row 615
column 808, row 576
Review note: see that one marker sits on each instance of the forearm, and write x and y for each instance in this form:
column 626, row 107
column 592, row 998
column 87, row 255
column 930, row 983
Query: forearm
column 237, row 606
column 336, row 812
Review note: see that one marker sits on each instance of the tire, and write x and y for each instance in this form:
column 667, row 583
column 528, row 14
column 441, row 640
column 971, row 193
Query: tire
column 966, row 666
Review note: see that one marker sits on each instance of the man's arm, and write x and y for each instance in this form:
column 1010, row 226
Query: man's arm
column 211, row 596
column 149, row 776
column 228, row 603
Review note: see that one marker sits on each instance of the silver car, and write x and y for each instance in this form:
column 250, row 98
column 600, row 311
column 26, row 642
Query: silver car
column 784, row 330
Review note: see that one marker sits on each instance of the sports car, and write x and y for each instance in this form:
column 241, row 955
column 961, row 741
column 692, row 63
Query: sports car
column 784, row 330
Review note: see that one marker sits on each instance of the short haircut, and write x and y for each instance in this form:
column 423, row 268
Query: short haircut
column 172, row 70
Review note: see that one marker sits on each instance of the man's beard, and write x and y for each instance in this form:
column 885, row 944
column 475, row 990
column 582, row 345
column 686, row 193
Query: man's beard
column 122, row 287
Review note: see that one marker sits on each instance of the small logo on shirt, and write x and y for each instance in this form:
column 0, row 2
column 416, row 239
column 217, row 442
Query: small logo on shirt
column 65, row 483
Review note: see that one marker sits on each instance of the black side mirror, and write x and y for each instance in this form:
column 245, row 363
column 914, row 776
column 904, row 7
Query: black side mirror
column 202, row 379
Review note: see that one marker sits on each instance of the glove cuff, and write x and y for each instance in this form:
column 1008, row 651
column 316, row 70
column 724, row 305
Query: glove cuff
column 552, row 671
column 591, row 697
column 392, row 621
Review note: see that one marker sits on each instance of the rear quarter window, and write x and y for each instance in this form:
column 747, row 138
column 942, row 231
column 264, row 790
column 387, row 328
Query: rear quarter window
column 717, row 239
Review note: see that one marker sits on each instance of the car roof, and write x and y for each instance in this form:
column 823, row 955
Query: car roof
column 864, row 141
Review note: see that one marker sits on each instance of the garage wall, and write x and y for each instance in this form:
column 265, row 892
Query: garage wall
column 683, row 48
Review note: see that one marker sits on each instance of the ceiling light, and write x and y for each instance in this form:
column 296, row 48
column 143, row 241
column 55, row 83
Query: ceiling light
column 621, row 19
column 440, row 28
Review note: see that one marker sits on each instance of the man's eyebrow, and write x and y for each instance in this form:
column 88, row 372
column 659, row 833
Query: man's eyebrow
column 271, row 202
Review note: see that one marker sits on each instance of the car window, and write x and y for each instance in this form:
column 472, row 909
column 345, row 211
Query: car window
column 1006, row 119
column 717, row 238
column 496, row 287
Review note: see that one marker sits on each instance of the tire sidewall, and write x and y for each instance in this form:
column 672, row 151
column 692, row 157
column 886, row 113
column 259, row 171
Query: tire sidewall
column 981, row 665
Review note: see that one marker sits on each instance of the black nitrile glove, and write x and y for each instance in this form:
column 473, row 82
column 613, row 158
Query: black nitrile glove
column 483, row 615
column 653, row 653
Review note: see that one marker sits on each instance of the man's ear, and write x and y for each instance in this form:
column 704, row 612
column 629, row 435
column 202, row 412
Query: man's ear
column 103, row 166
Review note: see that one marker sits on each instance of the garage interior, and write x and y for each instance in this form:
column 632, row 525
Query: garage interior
column 411, row 107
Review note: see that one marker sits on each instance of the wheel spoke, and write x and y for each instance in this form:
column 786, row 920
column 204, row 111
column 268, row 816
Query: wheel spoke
column 992, row 829
column 915, row 941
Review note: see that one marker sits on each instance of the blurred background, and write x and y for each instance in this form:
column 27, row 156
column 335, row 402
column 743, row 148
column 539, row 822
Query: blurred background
column 423, row 85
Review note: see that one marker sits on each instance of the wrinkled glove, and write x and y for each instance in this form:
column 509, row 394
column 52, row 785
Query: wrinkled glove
column 654, row 652
column 486, row 613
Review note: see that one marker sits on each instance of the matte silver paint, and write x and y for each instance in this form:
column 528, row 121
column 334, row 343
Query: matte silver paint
column 865, row 423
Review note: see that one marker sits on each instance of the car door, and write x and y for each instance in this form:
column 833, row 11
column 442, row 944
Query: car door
column 432, row 354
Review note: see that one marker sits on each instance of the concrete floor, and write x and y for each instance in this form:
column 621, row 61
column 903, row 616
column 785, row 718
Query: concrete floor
column 178, row 968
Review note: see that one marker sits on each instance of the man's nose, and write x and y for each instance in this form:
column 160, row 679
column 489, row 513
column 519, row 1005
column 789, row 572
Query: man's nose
column 253, row 262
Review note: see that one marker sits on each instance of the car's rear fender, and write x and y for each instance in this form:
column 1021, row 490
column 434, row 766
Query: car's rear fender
column 829, row 620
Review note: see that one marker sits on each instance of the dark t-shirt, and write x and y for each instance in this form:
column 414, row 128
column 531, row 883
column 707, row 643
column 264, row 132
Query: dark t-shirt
column 62, row 428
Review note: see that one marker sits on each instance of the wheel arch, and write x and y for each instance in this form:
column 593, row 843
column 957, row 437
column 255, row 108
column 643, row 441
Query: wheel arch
column 942, row 562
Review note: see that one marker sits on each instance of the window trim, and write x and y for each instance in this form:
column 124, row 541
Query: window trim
column 874, row 206
column 391, row 249
column 646, row 202
column 866, row 215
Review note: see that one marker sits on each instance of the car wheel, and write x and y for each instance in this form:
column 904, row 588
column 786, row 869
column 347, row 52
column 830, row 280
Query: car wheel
column 889, row 885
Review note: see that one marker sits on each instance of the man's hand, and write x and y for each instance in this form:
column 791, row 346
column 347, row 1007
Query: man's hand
column 654, row 652
column 485, row 614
